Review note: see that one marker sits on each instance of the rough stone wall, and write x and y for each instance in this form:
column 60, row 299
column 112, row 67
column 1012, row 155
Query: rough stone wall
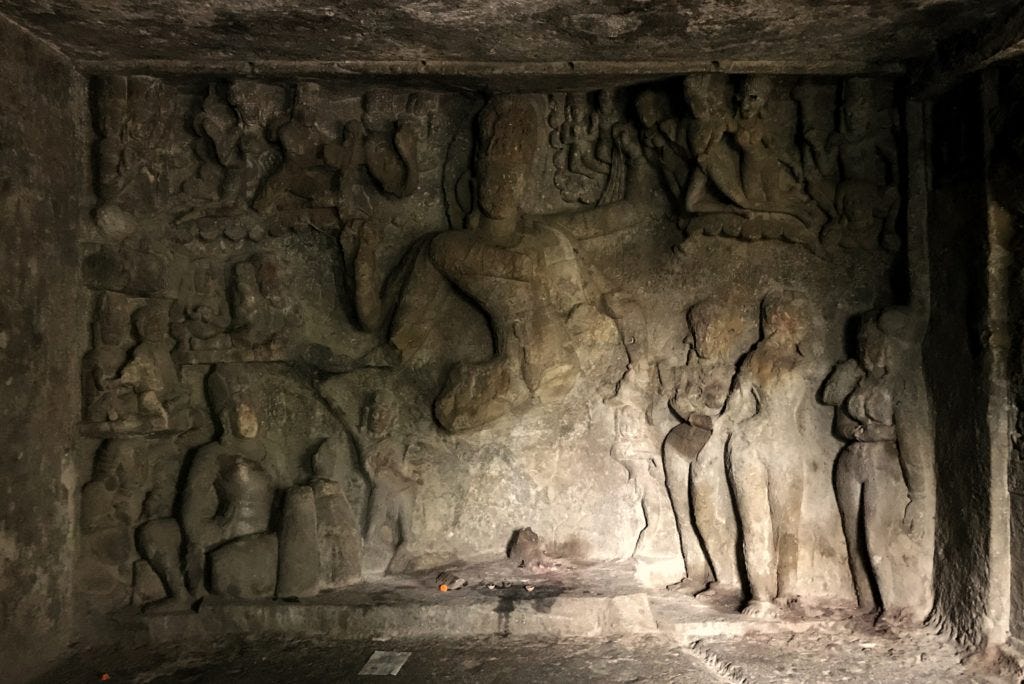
column 42, row 326
column 954, row 363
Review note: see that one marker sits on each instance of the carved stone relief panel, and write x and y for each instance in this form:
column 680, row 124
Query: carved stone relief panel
column 371, row 331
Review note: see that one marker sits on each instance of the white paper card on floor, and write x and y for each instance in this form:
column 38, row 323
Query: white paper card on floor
column 385, row 663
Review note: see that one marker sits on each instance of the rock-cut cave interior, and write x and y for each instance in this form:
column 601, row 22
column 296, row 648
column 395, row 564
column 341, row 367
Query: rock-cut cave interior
column 512, row 341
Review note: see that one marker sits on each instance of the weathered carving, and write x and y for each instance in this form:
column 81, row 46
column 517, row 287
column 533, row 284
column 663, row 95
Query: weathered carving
column 202, row 313
column 392, row 471
column 322, row 241
column 519, row 274
column 360, row 244
column 151, row 373
column 664, row 143
column 767, row 414
column 246, row 567
column 113, row 497
column 748, row 171
column 110, row 508
column 866, row 200
column 590, row 166
column 160, row 545
column 260, row 312
column 304, row 178
column 694, row 450
column 754, row 166
column 385, row 143
column 636, row 448
column 817, row 111
column 338, row 539
column 298, row 555
column 229, row 489
column 141, row 162
column 104, row 400
column 143, row 393
column 236, row 155
column 882, row 474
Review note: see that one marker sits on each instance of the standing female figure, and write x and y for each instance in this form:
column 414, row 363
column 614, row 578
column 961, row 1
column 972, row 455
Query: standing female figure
column 881, row 474
column 770, row 409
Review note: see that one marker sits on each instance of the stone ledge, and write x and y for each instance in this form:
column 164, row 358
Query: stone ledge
column 459, row 616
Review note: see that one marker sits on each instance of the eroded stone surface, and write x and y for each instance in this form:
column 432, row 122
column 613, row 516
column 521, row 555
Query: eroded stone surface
column 852, row 32
column 342, row 333
column 43, row 175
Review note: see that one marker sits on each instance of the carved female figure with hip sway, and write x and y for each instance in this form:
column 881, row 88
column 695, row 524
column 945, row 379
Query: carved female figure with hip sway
column 880, row 475
column 769, row 410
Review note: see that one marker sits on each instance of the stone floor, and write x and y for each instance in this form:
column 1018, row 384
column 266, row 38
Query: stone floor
column 814, row 656
column 563, row 624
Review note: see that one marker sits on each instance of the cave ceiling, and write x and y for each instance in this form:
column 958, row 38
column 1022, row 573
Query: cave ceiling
column 541, row 36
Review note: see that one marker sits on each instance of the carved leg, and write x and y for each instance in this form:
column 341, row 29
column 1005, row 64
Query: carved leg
column 677, row 478
column 381, row 533
column 160, row 544
column 276, row 187
column 195, row 570
column 658, row 540
column 785, row 494
column 367, row 280
column 885, row 498
column 641, row 541
column 401, row 512
column 713, row 511
column 750, row 483
column 233, row 186
column 848, row 496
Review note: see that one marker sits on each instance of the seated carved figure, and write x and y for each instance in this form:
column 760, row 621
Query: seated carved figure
column 517, row 272
column 749, row 183
column 304, row 177
column 590, row 166
column 237, row 157
column 715, row 186
column 881, row 475
column 260, row 314
column 230, row 487
column 228, row 496
column 202, row 314
column 663, row 142
column 145, row 395
column 255, row 104
column 383, row 143
column 866, row 197
column 151, row 372
column 581, row 132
